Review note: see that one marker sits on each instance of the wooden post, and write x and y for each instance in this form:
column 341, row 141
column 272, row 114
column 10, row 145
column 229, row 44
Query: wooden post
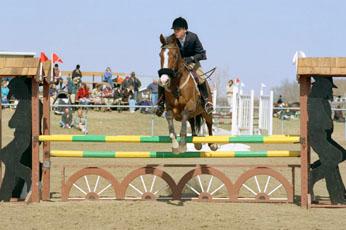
column 35, row 115
column 46, row 144
column 305, row 82
column 0, row 129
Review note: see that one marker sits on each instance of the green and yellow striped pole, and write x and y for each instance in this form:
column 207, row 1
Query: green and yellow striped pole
column 274, row 139
column 148, row 154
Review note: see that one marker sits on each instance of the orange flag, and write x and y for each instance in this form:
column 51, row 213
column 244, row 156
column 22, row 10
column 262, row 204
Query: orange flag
column 56, row 58
column 43, row 57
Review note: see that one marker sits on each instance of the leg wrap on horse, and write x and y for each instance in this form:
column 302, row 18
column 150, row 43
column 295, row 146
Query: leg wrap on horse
column 161, row 101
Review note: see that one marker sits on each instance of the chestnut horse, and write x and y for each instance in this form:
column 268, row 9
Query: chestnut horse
column 182, row 97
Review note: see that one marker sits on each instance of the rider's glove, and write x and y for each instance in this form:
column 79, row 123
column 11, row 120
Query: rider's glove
column 189, row 60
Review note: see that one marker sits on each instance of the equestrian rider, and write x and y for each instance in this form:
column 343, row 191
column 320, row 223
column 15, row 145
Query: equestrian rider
column 192, row 51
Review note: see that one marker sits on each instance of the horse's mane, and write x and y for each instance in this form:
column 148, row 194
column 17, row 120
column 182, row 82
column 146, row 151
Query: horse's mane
column 171, row 40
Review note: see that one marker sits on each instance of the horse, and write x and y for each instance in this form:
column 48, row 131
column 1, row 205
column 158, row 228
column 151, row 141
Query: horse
column 182, row 97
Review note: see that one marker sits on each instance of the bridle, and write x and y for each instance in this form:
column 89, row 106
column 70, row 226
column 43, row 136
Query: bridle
column 172, row 73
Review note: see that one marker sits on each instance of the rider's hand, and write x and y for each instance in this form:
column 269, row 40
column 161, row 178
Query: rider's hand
column 189, row 60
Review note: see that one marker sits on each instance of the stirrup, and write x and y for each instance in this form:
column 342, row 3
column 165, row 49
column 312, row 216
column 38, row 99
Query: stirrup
column 208, row 107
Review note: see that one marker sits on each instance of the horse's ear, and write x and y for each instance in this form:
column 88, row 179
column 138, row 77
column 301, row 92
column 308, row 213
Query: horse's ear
column 171, row 39
column 163, row 40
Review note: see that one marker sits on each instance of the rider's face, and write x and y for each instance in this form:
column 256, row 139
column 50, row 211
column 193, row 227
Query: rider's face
column 179, row 33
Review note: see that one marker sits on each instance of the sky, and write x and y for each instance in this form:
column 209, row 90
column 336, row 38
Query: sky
column 254, row 40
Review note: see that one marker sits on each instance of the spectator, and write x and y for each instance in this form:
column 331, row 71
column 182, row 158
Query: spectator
column 57, row 78
column 107, row 96
column 229, row 92
column 53, row 92
column 118, row 98
column 66, row 119
column 280, row 100
column 4, row 93
column 80, row 122
column 107, row 76
column 136, row 83
column 83, row 94
column 96, row 95
column 153, row 88
column 72, row 86
column 77, row 74
column 118, row 81
column 132, row 99
column 338, row 116
column 127, row 94
column 126, row 83
column 118, row 95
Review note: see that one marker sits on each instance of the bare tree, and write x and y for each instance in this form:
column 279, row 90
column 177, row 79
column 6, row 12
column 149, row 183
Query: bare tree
column 219, row 80
column 289, row 89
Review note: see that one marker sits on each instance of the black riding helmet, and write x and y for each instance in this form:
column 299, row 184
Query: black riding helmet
column 179, row 23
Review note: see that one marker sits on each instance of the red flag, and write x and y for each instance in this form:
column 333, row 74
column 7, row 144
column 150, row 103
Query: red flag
column 43, row 57
column 56, row 58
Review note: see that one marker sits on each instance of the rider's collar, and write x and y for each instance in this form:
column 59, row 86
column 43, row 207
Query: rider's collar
column 182, row 41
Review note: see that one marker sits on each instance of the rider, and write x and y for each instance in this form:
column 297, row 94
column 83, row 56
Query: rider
column 192, row 51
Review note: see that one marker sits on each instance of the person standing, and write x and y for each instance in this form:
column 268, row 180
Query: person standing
column 153, row 88
column 229, row 93
column 57, row 76
column 72, row 87
column 77, row 75
column 135, row 83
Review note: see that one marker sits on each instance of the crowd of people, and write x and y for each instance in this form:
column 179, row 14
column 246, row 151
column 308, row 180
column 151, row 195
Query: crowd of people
column 112, row 90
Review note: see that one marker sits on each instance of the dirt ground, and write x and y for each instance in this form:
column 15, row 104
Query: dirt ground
column 161, row 214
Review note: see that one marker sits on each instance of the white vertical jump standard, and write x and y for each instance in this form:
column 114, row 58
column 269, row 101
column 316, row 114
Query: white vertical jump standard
column 242, row 112
column 265, row 119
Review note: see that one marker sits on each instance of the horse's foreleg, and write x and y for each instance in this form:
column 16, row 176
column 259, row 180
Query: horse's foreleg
column 209, row 122
column 192, row 121
column 172, row 134
column 183, row 131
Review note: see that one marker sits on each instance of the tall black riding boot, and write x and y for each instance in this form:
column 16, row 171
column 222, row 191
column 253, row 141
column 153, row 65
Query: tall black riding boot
column 203, row 89
column 161, row 102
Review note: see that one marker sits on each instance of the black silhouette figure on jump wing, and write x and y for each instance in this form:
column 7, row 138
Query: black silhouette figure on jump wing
column 320, row 135
column 17, row 154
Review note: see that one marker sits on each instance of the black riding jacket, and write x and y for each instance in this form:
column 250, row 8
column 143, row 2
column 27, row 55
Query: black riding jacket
column 192, row 47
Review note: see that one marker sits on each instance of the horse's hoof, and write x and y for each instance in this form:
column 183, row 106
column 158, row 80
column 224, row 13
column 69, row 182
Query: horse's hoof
column 175, row 151
column 175, row 144
column 198, row 146
column 213, row 147
column 182, row 148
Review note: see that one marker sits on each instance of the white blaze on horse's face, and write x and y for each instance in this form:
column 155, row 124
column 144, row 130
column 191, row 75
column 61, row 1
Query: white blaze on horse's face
column 164, row 77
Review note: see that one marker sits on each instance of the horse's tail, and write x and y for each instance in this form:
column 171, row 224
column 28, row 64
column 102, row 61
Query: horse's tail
column 199, row 120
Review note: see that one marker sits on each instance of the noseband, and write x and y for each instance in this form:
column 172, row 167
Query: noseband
column 172, row 73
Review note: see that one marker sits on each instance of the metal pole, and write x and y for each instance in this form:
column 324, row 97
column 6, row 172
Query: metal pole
column 152, row 125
